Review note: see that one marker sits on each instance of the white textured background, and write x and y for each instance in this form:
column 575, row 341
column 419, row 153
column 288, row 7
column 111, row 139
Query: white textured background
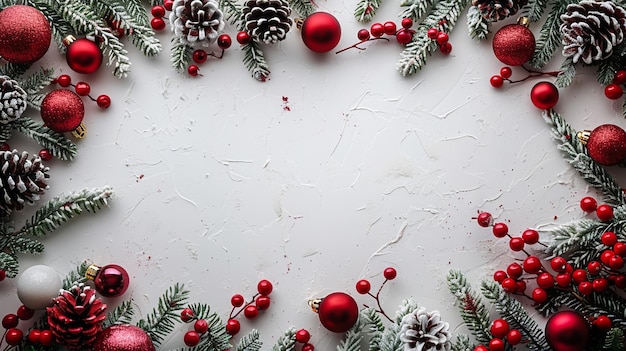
column 332, row 170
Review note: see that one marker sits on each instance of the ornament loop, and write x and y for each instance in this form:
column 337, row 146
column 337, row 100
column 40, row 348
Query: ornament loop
column 92, row 271
column 523, row 21
column 68, row 40
column 315, row 304
column 80, row 131
column 583, row 136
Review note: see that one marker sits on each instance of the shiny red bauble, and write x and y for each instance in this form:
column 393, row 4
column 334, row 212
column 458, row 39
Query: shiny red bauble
column 514, row 44
column 567, row 331
column 110, row 280
column 338, row 312
column 607, row 145
column 83, row 55
column 62, row 110
column 321, row 32
column 24, row 34
column 544, row 95
column 123, row 337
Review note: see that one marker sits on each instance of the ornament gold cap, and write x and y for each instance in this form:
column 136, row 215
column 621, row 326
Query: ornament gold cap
column 523, row 21
column 583, row 136
column 92, row 271
column 299, row 21
column 315, row 304
column 80, row 131
column 68, row 40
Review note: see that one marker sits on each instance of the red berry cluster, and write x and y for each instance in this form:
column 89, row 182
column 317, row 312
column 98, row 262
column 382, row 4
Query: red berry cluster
column 303, row 336
column 404, row 35
column 158, row 12
column 83, row 89
column 604, row 212
column 364, row 287
column 442, row 40
column 497, row 81
column 200, row 56
column 14, row 336
column 259, row 302
column 614, row 90
column 501, row 334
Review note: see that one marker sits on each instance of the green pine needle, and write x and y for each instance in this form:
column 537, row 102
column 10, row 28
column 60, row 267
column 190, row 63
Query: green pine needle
column 614, row 340
column 463, row 343
column 549, row 35
column 6, row 131
column 304, row 8
column 9, row 264
column 287, row 341
column 57, row 143
column 254, row 60
column 162, row 320
column 415, row 9
column 535, row 9
column 122, row 314
column 352, row 338
column 472, row 309
column 477, row 24
column 250, row 342
column 373, row 327
column 232, row 11
column 566, row 73
column 181, row 54
column 366, row 10
column 76, row 276
column 12, row 70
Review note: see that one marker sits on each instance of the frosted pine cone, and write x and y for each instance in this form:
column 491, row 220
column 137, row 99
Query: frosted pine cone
column 12, row 100
column 497, row 10
column 197, row 22
column 591, row 29
column 424, row 331
column 267, row 21
column 21, row 180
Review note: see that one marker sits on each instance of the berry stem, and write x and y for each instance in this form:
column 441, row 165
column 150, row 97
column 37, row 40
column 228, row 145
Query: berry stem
column 217, row 56
column 356, row 46
column 377, row 298
column 243, row 307
column 532, row 74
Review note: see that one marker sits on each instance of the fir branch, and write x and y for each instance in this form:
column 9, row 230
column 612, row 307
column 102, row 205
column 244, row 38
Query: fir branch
column 473, row 311
column 216, row 338
column 162, row 320
column 567, row 71
column 304, row 8
column 250, row 342
column 578, row 239
column 63, row 208
column 287, row 341
column 12, row 70
column 37, row 81
column 576, row 154
column 232, row 11
column 122, row 314
column 352, row 338
column 9, row 264
column 254, row 60
column 606, row 303
column 549, row 35
column 415, row 9
column 513, row 312
column 477, row 24
column 610, row 65
column 7, row 3
column 535, row 9
column 614, row 340
column 366, row 10
column 373, row 326
column 76, row 276
column 21, row 244
column 57, row 143
column 181, row 54
column 6, row 131
column 136, row 10
column 462, row 343
column 60, row 27
column 34, row 100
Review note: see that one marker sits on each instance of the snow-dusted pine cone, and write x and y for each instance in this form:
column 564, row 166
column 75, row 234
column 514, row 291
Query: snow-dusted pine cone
column 22, row 181
column 497, row 10
column 267, row 21
column 76, row 317
column 591, row 29
column 12, row 100
column 423, row 331
column 197, row 22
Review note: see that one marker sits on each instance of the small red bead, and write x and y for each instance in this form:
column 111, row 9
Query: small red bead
column 481, row 348
column 516, row 244
column 158, row 11
column 103, row 101
column 496, row 81
column 442, row 38
column 303, row 336
column 484, row 219
column 532, row 264
column 619, row 248
column 157, row 23
column 201, row 326
column 264, row 287
column 34, row 336
column 514, row 270
column 445, row 48
column 499, row 276
column 390, row 273
column 520, row 286
column 432, row 33
column 579, row 276
column 5, row 147
column 262, row 302
column 530, row 236
column 193, row 70
column 600, row 284
column 545, row 280
column 616, row 262
column 563, row 279
column 588, row 204
column 603, row 323
column 24, row 313
column 496, row 344
column 604, row 212
column 224, row 41
column 407, row 23
column 243, row 38
column 199, row 56
column 187, row 315
column 606, row 255
column 620, row 77
column 3, row 275
column 46, row 338
column 539, row 295
column 585, row 288
column 363, row 286
column 558, row 264
column 82, row 88
column 237, row 300
column 10, row 321
column 404, row 36
column 377, row 30
column 233, row 326
column 14, row 336
column 64, row 80
column 389, row 28
column 608, row 238
column 613, row 91
column 499, row 328
column 251, row 311
column 594, row 267
column 363, row 34
column 168, row 4
column 308, row 347
column 509, row 285
column 514, row 337
column 620, row 281
column 191, row 338
column 500, row 230
column 506, row 72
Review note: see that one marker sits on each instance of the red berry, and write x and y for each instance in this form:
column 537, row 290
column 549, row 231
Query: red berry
column 539, row 295
column 604, row 212
column 620, row 77
column 613, row 91
column 64, row 80
column 157, row 23
column 516, row 244
column 308, row 347
column 616, row 263
column 619, row 248
column 262, row 302
column 237, row 300
column 377, row 30
column 520, row 286
column 514, row 270
column 224, row 41
column 608, row 238
column 407, row 23
column 432, row 33
column 620, row 281
column 484, row 219
column 363, row 286
column 363, row 34
column 33, row 336
column 585, row 288
column 3, row 275
column 496, row 344
column 24, row 313
column 10, row 321
column 588, row 204
column 5, row 147
column 500, row 230
column 264, row 287
column 579, row 276
column 390, row 273
column 404, row 36
column 481, row 348
column 514, row 337
column 158, row 11
column 499, row 328
column 445, row 48
column 46, row 338
column 594, row 267
column 532, row 264
column 14, row 336
column 45, row 154
column 389, row 28
column 496, row 81
column 442, row 38
column 187, row 315
column 600, row 284
column 199, row 56
column 303, row 336
column 509, row 285
column 603, row 323
column 558, row 264
column 506, row 72
column 191, row 338
column 233, row 326
column 201, row 326
column 243, row 38
column 82, row 88
column 530, row 236
column 545, row 280
column 168, row 4
column 251, row 311
column 606, row 255
column 193, row 70
column 499, row 276
column 103, row 101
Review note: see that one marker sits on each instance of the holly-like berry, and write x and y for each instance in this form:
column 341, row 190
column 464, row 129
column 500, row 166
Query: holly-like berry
column 390, row 28
column 530, row 236
column 46, row 338
column 168, row 4
column 616, row 262
column 103, row 101
column 603, row 323
column 24, row 313
column 514, row 270
column 481, row 348
column 10, row 321
column 606, row 255
column 407, row 23
column 608, row 238
column 191, row 338
column 585, row 288
column 499, row 328
column 3, row 275
column 390, row 273
column 5, row 147
column 45, row 154
column 613, row 91
column 308, row 347
column 499, row 276
column 157, row 23
column 363, row 34
column 520, row 286
column 224, row 41
column 500, row 230
column 64, row 80
column 264, row 287
column 303, row 336
column 516, row 244
column 545, row 280
column 233, row 326
column 158, row 11
column 514, row 337
column 496, row 81
column 201, row 326
column 619, row 248
column 404, row 36
column 532, row 264
column 563, row 279
column 600, row 284
column 484, row 219
column 579, row 276
column 377, row 30
column 82, row 88
column 33, row 336
column 251, row 311
column 237, row 300
column 445, row 48
column 594, row 267
column 588, row 204
column 187, row 315
column 199, row 56
column 496, row 344
column 509, row 285
column 442, row 38
column 604, row 212
column 193, row 70
column 539, row 295
column 243, row 38
column 263, row 302
column 558, row 263
column 363, row 286
column 506, row 72
column 14, row 336
column 432, row 33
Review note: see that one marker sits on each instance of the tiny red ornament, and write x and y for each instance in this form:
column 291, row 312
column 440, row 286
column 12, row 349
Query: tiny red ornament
column 544, row 95
column 514, row 44
column 321, row 32
column 24, row 34
column 606, row 144
column 62, row 110
column 83, row 55
column 337, row 312
column 567, row 331
column 110, row 280
column 123, row 337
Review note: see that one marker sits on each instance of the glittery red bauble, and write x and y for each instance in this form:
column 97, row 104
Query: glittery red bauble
column 24, row 34
column 321, row 32
column 62, row 110
column 544, row 95
column 123, row 337
column 338, row 312
column 514, row 44
column 567, row 331
column 607, row 145
column 84, row 56
column 111, row 280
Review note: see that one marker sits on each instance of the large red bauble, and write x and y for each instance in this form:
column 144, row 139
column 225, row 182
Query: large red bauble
column 123, row 337
column 514, row 44
column 110, row 280
column 567, row 331
column 83, row 56
column 321, row 32
column 24, row 34
column 544, row 95
column 62, row 110
column 338, row 312
column 607, row 145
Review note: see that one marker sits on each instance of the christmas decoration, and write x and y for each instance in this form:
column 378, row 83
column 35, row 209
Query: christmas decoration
column 497, row 10
column 514, row 44
column 76, row 317
column 12, row 100
column 544, row 95
column 422, row 330
column 110, row 281
column 337, row 311
column 567, row 331
column 83, row 55
column 267, row 21
column 63, row 111
column 196, row 22
column 123, row 337
column 24, row 34
column 37, row 286
column 23, row 180
column 606, row 144
column 321, row 32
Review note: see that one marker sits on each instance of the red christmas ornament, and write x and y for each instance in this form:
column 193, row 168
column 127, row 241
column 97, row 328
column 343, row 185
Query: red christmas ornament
column 63, row 111
column 567, row 331
column 24, row 34
column 123, row 337
column 337, row 312
column 544, row 95
column 110, row 280
column 321, row 32
column 83, row 55
column 606, row 144
column 514, row 44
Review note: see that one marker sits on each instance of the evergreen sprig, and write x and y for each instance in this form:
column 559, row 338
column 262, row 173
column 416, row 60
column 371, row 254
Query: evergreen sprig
column 614, row 340
column 77, row 276
column 352, row 338
column 567, row 72
column 373, row 327
column 250, row 342
column 181, row 54
column 366, row 10
column 477, row 24
column 162, row 320
column 415, row 9
column 473, row 311
column 286, row 342
column 578, row 240
column 35, row 83
column 55, row 142
column 216, row 338
column 534, row 9
column 122, row 314
column 550, row 35
column 254, row 60
column 232, row 11
column 304, row 8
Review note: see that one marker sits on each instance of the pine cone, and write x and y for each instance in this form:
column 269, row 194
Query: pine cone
column 76, row 317
column 591, row 29
column 197, row 22
column 21, row 180
column 12, row 100
column 267, row 21
column 497, row 10
column 423, row 331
